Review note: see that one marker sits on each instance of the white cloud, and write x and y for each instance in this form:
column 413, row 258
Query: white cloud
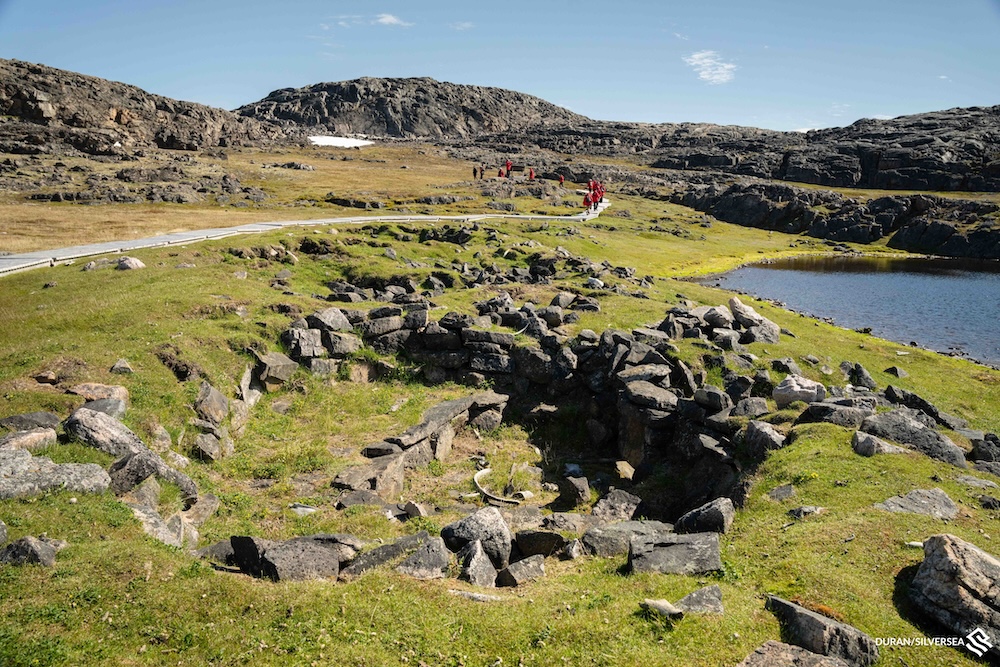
column 837, row 109
column 389, row 19
column 710, row 67
column 680, row 36
column 945, row 77
column 462, row 25
column 882, row 116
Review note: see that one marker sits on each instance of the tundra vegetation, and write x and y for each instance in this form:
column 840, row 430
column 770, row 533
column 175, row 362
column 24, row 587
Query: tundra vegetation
column 118, row 596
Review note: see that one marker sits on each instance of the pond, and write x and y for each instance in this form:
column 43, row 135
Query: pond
column 948, row 305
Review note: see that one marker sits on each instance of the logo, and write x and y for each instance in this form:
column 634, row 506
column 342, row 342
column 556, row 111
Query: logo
column 978, row 642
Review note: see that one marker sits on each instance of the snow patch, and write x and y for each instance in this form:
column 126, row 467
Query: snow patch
column 339, row 142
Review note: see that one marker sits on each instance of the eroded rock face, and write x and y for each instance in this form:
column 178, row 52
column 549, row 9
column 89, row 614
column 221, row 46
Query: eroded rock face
column 955, row 586
column 415, row 107
column 55, row 107
column 902, row 427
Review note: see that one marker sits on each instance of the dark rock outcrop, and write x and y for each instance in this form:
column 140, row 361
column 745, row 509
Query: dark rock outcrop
column 54, row 110
column 408, row 108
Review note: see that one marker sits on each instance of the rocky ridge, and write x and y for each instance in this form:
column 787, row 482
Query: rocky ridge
column 405, row 108
column 48, row 110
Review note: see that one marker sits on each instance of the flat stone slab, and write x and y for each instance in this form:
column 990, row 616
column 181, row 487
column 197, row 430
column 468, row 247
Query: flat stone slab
column 668, row 553
column 22, row 475
column 930, row 502
column 707, row 600
column 612, row 539
column 776, row 654
column 820, row 634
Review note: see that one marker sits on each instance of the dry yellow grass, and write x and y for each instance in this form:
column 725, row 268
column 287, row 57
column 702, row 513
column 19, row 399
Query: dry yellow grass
column 375, row 172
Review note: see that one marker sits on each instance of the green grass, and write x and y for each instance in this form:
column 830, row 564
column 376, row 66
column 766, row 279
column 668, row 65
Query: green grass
column 117, row 597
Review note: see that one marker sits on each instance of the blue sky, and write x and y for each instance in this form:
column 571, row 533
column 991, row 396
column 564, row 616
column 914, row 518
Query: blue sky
column 777, row 64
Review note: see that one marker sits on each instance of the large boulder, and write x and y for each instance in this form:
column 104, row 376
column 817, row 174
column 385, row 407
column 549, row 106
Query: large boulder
column 903, row 427
column 867, row 444
column 22, row 474
column 35, row 438
column 929, row 502
column 486, row 526
column 612, row 539
column 523, row 571
column 715, row 516
column 760, row 438
column 956, row 587
column 797, row 388
column 477, row 568
column 617, row 505
column 668, row 553
column 823, row 635
column 29, row 550
column 429, row 561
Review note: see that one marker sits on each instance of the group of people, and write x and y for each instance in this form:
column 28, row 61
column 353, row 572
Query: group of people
column 595, row 194
column 504, row 172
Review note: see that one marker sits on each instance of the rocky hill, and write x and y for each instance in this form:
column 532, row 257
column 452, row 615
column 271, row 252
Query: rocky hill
column 957, row 149
column 48, row 110
column 410, row 108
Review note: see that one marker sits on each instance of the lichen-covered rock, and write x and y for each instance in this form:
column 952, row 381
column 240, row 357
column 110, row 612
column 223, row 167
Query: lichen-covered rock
column 823, row 635
column 486, row 526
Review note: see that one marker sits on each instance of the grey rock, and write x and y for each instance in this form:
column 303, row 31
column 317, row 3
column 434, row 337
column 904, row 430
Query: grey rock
column 931, row 502
column 341, row 345
column 130, row 471
column 867, row 444
column 662, row 608
column 429, row 561
column 23, row 475
column 211, row 405
column 900, row 426
column 574, row 549
column 477, row 568
column 833, row 413
column 783, row 492
column 715, row 516
column 523, row 571
column 668, row 553
column 359, row 497
column 647, row 394
column 248, row 552
column 274, row 369
column 975, row 482
column 29, row 550
column 915, row 402
column 3, row 533
column 299, row 560
column 219, row 552
column 488, row 527
column 712, row 399
column 383, row 554
column 487, row 420
column 30, row 420
column 760, row 438
column 329, row 319
column 171, row 533
column 707, row 600
column 383, row 475
column 612, row 539
column 955, row 586
column 751, row 407
column 617, row 505
column 776, row 654
column 786, row 365
column 32, row 439
column 823, row 635
column 539, row 542
column 797, row 388
column 122, row 367
column 113, row 407
column 575, row 491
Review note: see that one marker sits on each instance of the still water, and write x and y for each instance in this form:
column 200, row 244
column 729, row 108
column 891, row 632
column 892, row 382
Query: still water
column 946, row 305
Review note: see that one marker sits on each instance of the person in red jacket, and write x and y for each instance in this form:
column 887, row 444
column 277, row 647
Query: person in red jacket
column 562, row 179
column 509, row 165
column 500, row 172
column 586, row 201
column 531, row 174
